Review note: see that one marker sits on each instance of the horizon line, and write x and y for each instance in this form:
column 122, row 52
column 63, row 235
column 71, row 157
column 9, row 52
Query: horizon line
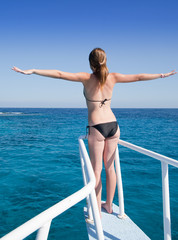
column 86, row 107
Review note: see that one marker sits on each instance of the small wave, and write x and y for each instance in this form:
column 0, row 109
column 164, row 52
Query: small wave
column 16, row 113
column 11, row 113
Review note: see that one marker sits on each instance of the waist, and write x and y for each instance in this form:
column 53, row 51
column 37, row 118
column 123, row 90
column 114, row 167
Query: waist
column 103, row 123
column 97, row 117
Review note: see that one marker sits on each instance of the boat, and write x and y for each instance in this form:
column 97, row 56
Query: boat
column 115, row 226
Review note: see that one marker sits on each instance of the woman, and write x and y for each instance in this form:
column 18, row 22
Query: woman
column 103, row 129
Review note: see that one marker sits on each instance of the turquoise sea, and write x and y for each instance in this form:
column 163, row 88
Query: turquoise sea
column 40, row 165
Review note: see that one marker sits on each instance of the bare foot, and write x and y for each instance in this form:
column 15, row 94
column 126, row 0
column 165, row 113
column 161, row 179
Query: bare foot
column 106, row 207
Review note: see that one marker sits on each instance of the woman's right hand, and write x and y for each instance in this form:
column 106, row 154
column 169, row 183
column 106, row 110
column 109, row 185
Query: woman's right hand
column 28, row 72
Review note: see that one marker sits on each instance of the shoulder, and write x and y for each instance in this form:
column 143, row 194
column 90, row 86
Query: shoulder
column 84, row 76
column 87, row 77
column 113, row 77
column 120, row 78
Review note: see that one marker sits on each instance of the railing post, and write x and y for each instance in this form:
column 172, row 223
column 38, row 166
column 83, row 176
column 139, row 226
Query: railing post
column 92, row 195
column 43, row 232
column 96, row 215
column 85, row 180
column 166, row 202
column 119, row 185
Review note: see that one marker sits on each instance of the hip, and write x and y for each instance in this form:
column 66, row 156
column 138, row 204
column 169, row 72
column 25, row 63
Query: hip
column 107, row 129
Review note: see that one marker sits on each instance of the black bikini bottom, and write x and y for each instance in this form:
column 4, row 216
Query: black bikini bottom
column 106, row 129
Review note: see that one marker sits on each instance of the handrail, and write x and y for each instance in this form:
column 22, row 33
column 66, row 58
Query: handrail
column 149, row 153
column 165, row 161
column 165, row 182
column 42, row 221
column 93, row 210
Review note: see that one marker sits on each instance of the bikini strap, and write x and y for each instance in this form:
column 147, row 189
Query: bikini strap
column 102, row 102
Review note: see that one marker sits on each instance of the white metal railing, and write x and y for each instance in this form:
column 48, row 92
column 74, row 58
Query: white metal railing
column 165, row 182
column 92, row 206
column 42, row 221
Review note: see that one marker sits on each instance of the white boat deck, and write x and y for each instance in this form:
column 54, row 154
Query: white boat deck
column 115, row 228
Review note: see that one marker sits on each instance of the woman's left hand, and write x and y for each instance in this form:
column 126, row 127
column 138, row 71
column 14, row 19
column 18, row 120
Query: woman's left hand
column 28, row 72
column 170, row 73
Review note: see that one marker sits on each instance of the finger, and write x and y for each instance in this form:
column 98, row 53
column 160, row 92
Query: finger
column 173, row 73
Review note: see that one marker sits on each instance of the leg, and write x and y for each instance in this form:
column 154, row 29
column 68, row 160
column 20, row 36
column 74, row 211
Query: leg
column 96, row 148
column 109, row 154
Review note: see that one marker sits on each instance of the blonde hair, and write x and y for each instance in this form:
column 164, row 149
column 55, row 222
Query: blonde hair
column 97, row 59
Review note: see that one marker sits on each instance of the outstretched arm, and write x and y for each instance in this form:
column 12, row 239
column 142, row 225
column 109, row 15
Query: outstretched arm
column 123, row 78
column 78, row 77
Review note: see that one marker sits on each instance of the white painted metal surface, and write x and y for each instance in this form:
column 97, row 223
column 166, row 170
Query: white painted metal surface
column 92, row 195
column 119, row 184
column 149, row 153
column 166, row 203
column 43, row 218
column 90, row 215
column 43, row 232
column 116, row 228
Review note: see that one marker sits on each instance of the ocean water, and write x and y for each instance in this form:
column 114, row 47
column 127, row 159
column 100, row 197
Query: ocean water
column 39, row 166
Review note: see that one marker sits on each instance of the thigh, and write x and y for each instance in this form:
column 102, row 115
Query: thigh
column 96, row 143
column 109, row 150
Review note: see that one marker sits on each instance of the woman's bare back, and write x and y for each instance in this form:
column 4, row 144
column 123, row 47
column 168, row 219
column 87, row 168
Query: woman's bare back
column 99, row 100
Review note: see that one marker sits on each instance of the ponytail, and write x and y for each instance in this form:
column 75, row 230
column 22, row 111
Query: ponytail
column 97, row 59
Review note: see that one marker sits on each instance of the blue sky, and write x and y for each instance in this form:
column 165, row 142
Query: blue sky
column 138, row 37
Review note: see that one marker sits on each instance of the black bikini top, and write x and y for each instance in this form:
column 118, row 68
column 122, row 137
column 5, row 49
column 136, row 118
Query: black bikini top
column 102, row 102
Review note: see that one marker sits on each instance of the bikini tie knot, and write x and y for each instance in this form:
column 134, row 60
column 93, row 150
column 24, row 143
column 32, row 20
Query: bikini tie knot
column 103, row 102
